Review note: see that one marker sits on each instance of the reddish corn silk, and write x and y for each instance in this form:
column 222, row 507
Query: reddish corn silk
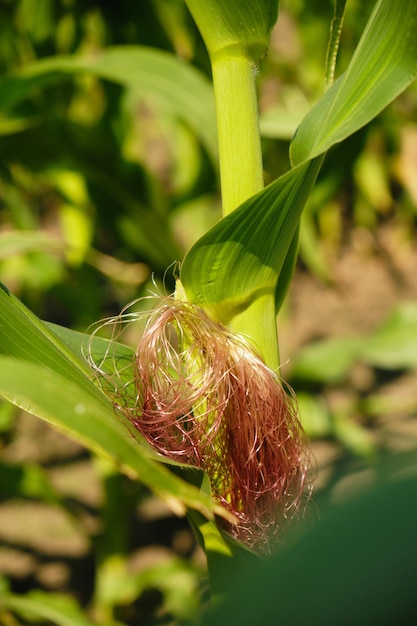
column 201, row 396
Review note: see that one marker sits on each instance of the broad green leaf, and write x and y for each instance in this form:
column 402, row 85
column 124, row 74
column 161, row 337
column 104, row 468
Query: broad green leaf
column 353, row 564
column 384, row 64
column 236, row 25
column 26, row 481
column 354, row 437
column 44, row 376
column 73, row 409
column 314, row 415
column 327, row 361
column 394, row 344
column 22, row 241
column 177, row 87
column 24, row 336
column 241, row 257
column 55, row 608
column 16, row 125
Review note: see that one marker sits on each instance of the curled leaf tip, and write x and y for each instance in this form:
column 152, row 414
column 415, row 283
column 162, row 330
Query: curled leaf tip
column 201, row 396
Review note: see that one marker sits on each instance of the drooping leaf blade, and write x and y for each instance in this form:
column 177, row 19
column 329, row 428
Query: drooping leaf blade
column 176, row 86
column 384, row 64
column 25, row 337
column 61, row 402
column 44, row 376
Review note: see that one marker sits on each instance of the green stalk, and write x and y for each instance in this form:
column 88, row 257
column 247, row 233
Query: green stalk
column 241, row 176
column 258, row 323
column 237, row 34
column 241, row 173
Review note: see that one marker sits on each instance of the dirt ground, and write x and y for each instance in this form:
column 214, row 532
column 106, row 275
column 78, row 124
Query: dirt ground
column 370, row 277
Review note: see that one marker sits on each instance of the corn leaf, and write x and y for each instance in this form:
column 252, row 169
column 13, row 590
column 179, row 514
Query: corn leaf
column 55, row 608
column 384, row 64
column 16, row 242
column 391, row 346
column 349, row 554
column 242, row 256
column 26, row 480
column 44, row 376
column 394, row 344
column 176, row 87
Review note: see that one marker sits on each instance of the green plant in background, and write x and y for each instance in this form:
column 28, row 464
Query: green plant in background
column 206, row 366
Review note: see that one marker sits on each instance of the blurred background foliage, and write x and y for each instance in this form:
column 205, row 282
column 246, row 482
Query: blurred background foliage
column 102, row 190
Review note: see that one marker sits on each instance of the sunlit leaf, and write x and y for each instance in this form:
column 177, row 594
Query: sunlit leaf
column 384, row 64
column 79, row 343
column 44, row 376
column 241, row 257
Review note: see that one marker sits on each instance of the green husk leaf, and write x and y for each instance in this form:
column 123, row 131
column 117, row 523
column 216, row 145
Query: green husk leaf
column 241, row 257
column 384, row 64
